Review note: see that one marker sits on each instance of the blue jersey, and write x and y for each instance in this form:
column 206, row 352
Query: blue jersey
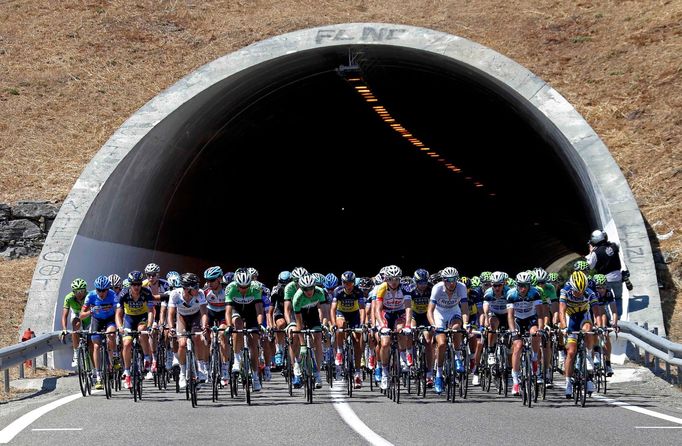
column 101, row 308
column 524, row 306
column 577, row 304
column 497, row 304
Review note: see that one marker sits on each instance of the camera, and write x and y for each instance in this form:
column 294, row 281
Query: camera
column 626, row 279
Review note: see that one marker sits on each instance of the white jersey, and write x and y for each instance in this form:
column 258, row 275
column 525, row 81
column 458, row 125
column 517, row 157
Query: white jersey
column 445, row 303
column 183, row 308
column 215, row 300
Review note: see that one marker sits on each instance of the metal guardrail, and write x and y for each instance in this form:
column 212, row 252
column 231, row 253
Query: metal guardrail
column 652, row 344
column 29, row 350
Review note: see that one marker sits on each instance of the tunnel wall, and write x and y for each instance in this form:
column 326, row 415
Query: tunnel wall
column 68, row 253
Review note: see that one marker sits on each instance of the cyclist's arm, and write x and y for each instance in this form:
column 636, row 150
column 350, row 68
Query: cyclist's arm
column 510, row 316
column 429, row 313
column 332, row 313
column 65, row 316
column 85, row 312
column 228, row 314
column 270, row 316
column 287, row 311
column 259, row 312
column 562, row 314
column 203, row 309
column 362, row 314
column 464, row 306
column 171, row 318
column 486, row 309
column 150, row 315
column 408, row 316
column 119, row 318
column 614, row 313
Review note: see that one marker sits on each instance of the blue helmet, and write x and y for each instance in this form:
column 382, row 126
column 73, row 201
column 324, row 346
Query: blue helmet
column 213, row 273
column 348, row 276
column 102, row 283
column 172, row 274
column 135, row 276
column 331, row 281
column 228, row 277
column 421, row 276
column 284, row 277
column 174, row 281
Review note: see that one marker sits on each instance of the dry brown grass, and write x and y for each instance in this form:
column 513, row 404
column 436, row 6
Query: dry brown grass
column 71, row 72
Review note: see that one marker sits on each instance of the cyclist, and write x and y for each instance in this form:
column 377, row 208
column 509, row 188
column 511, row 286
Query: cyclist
column 330, row 283
column 244, row 299
column 606, row 298
column 188, row 305
column 495, row 308
column 159, row 289
column 73, row 302
column 134, row 312
column 348, row 311
column 420, row 307
column 276, row 315
column 558, row 283
column 116, row 284
column 393, row 310
column 100, row 303
column 522, row 303
column 307, row 309
column 266, row 343
column 289, row 291
column 215, row 299
column 174, row 282
column 549, row 297
column 575, row 301
column 604, row 258
column 448, row 309
column 474, row 300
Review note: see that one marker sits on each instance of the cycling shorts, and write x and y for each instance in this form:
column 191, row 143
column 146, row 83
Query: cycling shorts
column 216, row 318
column 190, row 322
column 420, row 319
column 132, row 322
column 523, row 326
column 248, row 315
column 444, row 320
column 394, row 318
column 100, row 325
column 575, row 322
column 502, row 319
column 311, row 319
column 352, row 319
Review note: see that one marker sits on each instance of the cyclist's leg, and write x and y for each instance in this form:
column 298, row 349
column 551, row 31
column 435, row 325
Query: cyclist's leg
column 341, row 324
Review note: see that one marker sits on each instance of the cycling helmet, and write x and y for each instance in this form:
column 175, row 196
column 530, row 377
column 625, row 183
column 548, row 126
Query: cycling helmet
column 434, row 278
column 348, row 276
column 115, row 280
column 135, row 277
column 126, row 283
column 523, row 278
column 213, row 273
column 319, row 279
column 79, row 284
column 298, row 272
column 284, row 277
column 540, row 274
column 189, row 280
column 466, row 281
column 172, row 274
column 421, row 275
column 378, row 279
column 511, row 283
column 228, row 277
column 599, row 279
column 581, row 265
column 553, row 277
column 475, row 282
column 253, row 272
column 533, row 278
column 598, row 236
column 242, row 278
column 365, row 283
column 102, row 283
column 449, row 273
column 306, row 281
column 485, row 276
column 393, row 271
column 174, row 282
column 578, row 281
column 408, row 284
column 152, row 268
column 331, row 281
column 497, row 277
column 505, row 275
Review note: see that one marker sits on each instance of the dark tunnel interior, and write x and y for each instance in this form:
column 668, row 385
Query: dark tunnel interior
column 286, row 164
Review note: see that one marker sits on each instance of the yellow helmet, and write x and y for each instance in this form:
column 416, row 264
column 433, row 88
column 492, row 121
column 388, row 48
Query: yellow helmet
column 578, row 281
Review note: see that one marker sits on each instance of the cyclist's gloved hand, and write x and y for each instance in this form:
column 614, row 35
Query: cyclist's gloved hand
column 467, row 326
column 514, row 333
column 263, row 329
column 407, row 330
column 62, row 336
column 172, row 331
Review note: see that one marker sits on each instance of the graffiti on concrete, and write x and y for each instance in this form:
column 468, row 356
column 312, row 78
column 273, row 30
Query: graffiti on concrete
column 368, row 34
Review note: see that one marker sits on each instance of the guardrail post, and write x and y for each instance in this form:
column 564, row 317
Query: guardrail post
column 45, row 360
column 679, row 375
column 21, row 371
column 637, row 357
column 646, row 353
column 6, row 380
column 656, row 361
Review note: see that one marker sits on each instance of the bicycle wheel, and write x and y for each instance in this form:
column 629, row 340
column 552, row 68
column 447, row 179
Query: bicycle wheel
column 349, row 365
column 584, row 377
column 290, row 373
column 246, row 374
column 505, row 372
column 215, row 375
column 82, row 372
column 104, row 355
column 189, row 361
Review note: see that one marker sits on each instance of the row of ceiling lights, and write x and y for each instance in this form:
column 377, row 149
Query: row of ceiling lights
column 361, row 88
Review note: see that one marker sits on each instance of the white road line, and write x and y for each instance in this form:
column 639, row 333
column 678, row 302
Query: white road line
column 352, row 420
column 658, row 427
column 59, row 429
column 21, row 423
column 641, row 410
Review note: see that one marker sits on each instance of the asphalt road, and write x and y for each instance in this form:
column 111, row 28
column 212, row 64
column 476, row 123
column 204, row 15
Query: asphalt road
column 276, row 418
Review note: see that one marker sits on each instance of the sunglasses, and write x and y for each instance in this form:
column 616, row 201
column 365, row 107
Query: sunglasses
column 308, row 288
column 522, row 285
column 152, row 275
column 349, row 281
column 497, row 285
column 136, row 284
column 600, row 287
column 393, row 279
column 450, row 279
column 102, row 291
column 212, row 280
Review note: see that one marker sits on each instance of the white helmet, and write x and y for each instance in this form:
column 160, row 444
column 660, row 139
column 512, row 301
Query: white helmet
column 498, row 277
column 306, row 281
column 598, row 236
column 449, row 272
column 523, row 278
column 378, row 279
column 152, row 268
column 393, row 271
column 540, row 274
column 253, row 272
column 242, row 278
column 298, row 272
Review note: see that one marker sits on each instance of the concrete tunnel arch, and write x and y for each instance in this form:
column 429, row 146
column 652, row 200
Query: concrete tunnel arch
column 246, row 107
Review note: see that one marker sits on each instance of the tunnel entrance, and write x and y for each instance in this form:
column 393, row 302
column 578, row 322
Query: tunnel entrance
column 291, row 164
column 442, row 152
